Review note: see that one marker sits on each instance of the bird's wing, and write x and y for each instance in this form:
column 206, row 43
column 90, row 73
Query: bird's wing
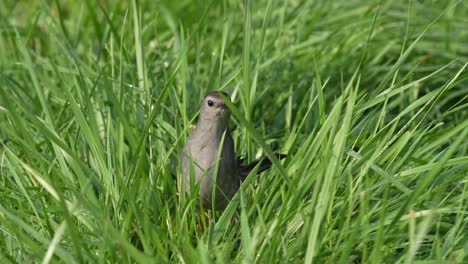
column 265, row 163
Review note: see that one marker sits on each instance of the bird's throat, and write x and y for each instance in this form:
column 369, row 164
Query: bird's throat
column 211, row 129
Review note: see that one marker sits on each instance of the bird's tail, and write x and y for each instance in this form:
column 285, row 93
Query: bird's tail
column 265, row 163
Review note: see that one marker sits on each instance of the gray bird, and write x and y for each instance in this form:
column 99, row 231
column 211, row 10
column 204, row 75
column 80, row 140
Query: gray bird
column 200, row 154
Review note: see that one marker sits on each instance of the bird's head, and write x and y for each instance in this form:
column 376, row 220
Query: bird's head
column 214, row 109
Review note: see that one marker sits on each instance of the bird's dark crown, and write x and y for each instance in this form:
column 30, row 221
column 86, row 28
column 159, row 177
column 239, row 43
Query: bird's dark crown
column 215, row 94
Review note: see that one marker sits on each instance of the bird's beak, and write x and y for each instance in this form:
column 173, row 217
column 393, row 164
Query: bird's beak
column 222, row 106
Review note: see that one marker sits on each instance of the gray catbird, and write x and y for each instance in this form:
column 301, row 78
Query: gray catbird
column 200, row 154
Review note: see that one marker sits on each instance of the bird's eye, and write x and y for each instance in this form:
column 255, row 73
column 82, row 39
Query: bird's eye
column 210, row 103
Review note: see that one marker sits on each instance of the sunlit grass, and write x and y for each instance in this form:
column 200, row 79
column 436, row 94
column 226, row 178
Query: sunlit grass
column 368, row 99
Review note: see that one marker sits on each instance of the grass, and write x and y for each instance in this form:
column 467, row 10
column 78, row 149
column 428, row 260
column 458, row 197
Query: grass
column 368, row 99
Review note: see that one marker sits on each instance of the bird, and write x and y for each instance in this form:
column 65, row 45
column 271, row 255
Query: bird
column 199, row 156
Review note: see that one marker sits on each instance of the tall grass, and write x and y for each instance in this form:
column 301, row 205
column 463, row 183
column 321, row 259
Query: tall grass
column 367, row 98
